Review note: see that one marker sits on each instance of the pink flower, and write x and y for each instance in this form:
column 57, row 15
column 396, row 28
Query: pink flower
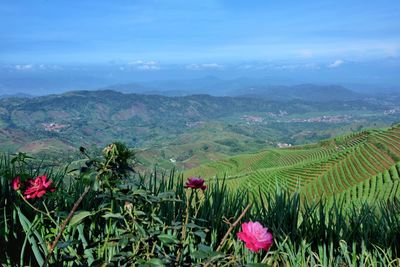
column 195, row 183
column 255, row 236
column 38, row 187
column 16, row 183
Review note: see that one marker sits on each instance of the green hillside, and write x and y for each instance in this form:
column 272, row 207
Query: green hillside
column 364, row 166
column 178, row 132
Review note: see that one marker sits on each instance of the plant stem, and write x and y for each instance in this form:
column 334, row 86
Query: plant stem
column 186, row 219
column 232, row 227
column 33, row 207
column 48, row 213
column 64, row 225
column 185, row 223
column 229, row 231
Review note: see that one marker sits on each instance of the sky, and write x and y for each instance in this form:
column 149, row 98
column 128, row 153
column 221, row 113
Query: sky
column 174, row 31
column 219, row 35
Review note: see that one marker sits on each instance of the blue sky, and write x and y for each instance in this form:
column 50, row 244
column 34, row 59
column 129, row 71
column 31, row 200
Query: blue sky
column 198, row 32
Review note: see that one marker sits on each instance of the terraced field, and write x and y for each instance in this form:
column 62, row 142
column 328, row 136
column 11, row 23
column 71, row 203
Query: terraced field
column 363, row 166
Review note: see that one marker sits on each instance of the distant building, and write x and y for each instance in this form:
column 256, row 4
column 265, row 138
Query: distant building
column 53, row 127
column 283, row 145
column 250, row 118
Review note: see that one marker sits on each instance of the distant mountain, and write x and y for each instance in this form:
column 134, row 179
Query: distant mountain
column 240, row 87
column 306, row 92
column 16, row 95
column 137, row 88
column 208, row 85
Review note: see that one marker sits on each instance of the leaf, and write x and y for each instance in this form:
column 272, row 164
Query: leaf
column 87, row 251
column 79, row 216
column 64, row 244
column 257, row 265
column 205, row 252
column 27, row 226
column 199, row 254
column 168, row 239
column 152, row 263
column 113, row 215
column 192, row 225
column 201, row 234
column 168, row 194
column 138, row 213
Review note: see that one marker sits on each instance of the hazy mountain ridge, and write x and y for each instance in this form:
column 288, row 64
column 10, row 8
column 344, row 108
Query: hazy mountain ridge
column 16, row 95
column 243, row 87
column 58, row 79
column 306, row 92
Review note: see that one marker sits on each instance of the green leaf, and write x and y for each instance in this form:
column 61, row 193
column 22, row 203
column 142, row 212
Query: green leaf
column 168, row 239
column 199, row 254
column 152, row 263
column 138, row 213
column 113, row 215
column 79, row 216
column 201, row 234
column 192, row 225
column 257, row 265
column 27, row 226
column 205, row 252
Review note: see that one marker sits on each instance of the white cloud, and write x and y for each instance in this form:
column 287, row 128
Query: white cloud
column 42, row 67
column 35, row 67
column 305, row 66
column 24, row 67
column 336, row 64
column 144, row 65
column 204, row 66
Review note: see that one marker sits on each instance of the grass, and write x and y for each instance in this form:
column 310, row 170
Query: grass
column 139, row 221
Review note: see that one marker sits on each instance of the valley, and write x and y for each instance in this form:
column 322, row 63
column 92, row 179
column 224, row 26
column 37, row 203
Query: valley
column 179, row 132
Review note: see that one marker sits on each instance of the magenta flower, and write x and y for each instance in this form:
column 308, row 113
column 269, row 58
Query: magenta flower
column 255, row 236
column 195, row 183
column 16, row 183
column 38, row 187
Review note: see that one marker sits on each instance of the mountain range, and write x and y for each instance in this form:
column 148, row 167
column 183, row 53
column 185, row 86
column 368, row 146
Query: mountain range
column 245, row 88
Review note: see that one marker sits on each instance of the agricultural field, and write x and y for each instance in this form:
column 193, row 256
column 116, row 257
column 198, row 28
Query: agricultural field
column 178, row 132
column 361, row 166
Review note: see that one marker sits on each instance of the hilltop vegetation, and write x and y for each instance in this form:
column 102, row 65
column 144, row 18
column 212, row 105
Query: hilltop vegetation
column 181, row 132
column 359, row 166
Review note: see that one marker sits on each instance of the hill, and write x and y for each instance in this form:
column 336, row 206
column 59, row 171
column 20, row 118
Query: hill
column 181, row 132
column 364, row 166
column 241, row 87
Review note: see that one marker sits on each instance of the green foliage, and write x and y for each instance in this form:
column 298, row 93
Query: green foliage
column 154, row 221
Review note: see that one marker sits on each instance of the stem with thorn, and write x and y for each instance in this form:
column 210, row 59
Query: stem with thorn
column 65, row 223
column 233, row 225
